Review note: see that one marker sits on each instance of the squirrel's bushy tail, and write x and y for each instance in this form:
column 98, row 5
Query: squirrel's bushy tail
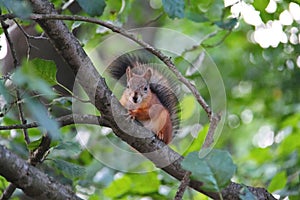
column 162, row 82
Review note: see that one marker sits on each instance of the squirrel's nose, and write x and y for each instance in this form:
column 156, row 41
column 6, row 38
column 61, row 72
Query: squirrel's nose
column 135, row 98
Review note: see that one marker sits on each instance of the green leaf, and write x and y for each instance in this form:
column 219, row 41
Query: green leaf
column 40, row 114
column 70, row 170
column 174, row 8
column 34, row 144
column 3, row 183
column 194, row 146
column 20, row 8
column 25, row 78
column 214, row 11
column 260, row 5
column 140, row 186
column 189, row 104
column 92, row 7
column 118, row 187
column 43, row 69
column 196, row 16
column 69, row 146
column 193, row 11
column 228, row 24
column 215, row 170
column 289, row 144
column 278, row 182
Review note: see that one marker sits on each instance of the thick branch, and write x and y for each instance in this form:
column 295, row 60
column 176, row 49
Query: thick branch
column 32, row 181
column 36, row 157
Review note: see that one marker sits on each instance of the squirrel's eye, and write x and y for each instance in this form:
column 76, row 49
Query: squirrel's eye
column 127, row 86
column 145, row 88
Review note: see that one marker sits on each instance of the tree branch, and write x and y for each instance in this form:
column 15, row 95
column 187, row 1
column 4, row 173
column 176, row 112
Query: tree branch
column 183, row 185
column 36, row 157
column 64, row 121
column 31, row 180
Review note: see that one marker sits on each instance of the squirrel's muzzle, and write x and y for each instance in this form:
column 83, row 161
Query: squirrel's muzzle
column 135, row 97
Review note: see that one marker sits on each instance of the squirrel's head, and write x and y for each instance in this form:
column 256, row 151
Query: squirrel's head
column 138, row 86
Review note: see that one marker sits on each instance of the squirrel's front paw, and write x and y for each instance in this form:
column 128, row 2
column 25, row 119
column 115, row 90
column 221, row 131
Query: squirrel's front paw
column 160, row 135
column 128, row 116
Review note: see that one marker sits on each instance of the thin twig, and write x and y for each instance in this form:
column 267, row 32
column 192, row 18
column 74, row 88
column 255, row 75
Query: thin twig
column 183, row 185
column 193, row 48
column 219, row 42
column 30, row 36
column 209, row 139
column 154, row 20
column 64, row 121
column 15, row 59
column 208, row 36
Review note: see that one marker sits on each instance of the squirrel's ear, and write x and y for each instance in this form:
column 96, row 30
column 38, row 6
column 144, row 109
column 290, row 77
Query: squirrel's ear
column 148, row 74
column 128, row 73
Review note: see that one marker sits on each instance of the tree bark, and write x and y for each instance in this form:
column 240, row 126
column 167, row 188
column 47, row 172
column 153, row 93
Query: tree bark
column 31, row 180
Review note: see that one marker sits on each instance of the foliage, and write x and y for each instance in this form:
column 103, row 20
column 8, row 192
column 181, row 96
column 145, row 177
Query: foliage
column 93, row 8
column 215, row 169
column 262, row 129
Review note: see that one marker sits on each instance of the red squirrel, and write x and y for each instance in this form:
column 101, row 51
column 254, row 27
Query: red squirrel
column 148, row 96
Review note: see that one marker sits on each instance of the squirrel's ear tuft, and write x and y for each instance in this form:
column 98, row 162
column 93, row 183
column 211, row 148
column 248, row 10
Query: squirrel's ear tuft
column 148, row 74
column 128, row 73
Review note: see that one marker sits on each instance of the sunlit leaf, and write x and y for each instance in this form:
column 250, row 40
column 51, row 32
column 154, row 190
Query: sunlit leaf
column 140, row 186
column 118, row 187
column 196, row 144
column 278, row 182
column 289, row 144
column 189, row 104
column 34, row 144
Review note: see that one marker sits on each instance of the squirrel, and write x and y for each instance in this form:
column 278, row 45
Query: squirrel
column 148, row 96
